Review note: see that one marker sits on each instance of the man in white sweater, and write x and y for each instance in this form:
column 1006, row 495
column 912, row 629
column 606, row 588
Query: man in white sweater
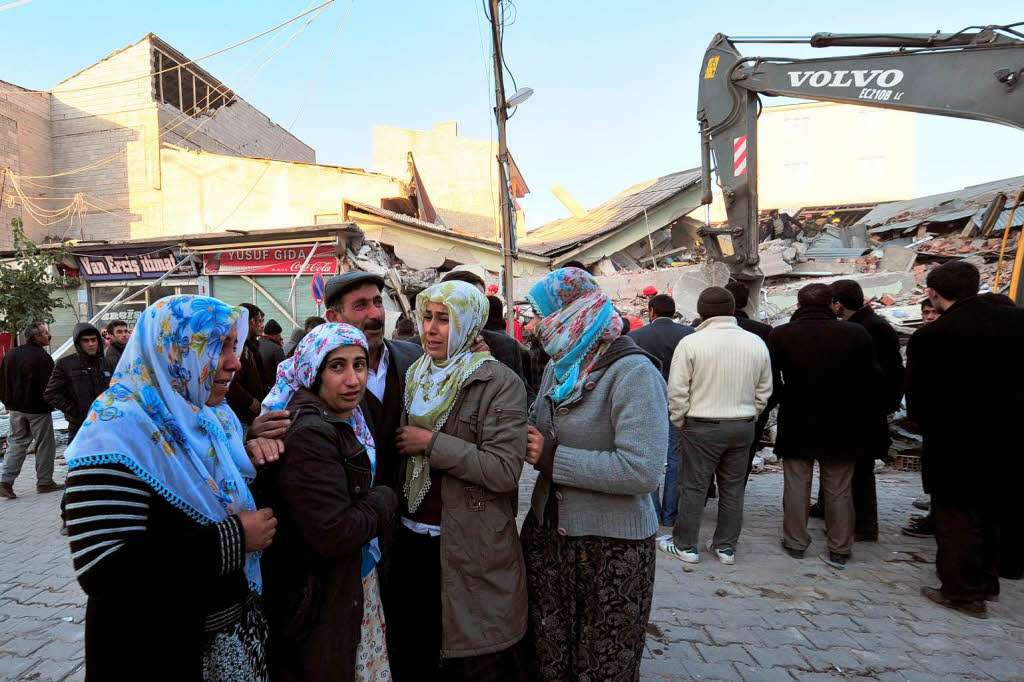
column 721, row 379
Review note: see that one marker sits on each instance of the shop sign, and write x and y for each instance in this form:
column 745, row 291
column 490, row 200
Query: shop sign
column 282, row 260
column 139, row 263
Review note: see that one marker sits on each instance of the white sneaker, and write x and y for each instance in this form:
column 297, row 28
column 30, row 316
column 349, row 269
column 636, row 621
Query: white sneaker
column 726, row 556
column 689, row 555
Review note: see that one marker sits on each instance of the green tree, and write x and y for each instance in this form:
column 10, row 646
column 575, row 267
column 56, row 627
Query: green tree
column 28, row 282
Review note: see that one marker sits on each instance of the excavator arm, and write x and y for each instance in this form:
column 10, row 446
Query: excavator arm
column 973, row 74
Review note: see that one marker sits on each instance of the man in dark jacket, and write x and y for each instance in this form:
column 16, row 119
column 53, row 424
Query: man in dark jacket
column 848, row 304
column 741, row 292
column 76, row 381
column 271, row 350
column 250, row 386
column 825, row 373
column 970, row 464
column 117, row 332
column 23, row 376
column 495, row 329
column 660, row 338
column 78, row 378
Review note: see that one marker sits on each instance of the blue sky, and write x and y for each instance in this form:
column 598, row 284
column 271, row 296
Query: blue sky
column 615, row 82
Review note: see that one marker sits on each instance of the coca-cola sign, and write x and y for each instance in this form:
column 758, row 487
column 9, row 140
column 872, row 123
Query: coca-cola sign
column 280, row 260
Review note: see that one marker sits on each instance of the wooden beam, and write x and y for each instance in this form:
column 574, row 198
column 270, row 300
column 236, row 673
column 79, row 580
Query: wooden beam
column 273, row 301
column 160, row 69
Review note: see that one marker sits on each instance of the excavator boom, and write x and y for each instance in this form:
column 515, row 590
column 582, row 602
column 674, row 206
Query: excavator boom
column 971, row 74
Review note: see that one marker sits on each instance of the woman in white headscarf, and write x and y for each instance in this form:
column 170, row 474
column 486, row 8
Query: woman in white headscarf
column 457, row 582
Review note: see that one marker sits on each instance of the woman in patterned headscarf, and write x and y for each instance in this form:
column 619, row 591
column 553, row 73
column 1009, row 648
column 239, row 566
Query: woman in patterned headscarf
column 164, row 534
column 589, row 537
column 322, row 596
column 464, row 444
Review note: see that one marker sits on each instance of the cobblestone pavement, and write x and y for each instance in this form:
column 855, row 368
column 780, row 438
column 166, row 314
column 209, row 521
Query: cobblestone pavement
column 769, row 617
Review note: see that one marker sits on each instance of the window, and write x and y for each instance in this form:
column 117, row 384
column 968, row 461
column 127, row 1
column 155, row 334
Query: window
column 185, row 88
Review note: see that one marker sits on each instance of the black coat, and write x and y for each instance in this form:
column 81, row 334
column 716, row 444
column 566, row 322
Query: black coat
column 249, row 384
column 755, row 327
column 958, row 378
column 326, row 509
column 23, row 376
column 271, row 355
column 77, row 379
column 827, row 383
column 660, row 338
column 887, row 349
column 113, row 355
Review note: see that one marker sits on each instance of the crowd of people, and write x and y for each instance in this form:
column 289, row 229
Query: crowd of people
column 343, row 507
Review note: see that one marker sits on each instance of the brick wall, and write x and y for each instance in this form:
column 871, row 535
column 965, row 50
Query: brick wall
column 25, row 149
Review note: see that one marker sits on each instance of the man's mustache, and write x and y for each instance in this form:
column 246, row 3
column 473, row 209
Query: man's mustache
column 373, row 325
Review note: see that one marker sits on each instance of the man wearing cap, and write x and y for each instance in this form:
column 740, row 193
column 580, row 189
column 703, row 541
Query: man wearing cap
column 271, row 349
column 720, row 380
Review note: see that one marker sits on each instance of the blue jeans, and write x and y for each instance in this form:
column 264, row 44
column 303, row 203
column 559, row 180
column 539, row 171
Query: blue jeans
column 668, row 506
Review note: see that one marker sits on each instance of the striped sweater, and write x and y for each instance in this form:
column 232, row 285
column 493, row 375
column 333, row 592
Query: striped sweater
column 719, row 372
column 114, row 543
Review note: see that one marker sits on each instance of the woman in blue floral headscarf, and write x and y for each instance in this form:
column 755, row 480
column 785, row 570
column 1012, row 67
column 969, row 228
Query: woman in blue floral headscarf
column 165, row 536
column 322, row 596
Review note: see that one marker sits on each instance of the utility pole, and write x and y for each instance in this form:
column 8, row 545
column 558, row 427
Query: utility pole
column 504, row 204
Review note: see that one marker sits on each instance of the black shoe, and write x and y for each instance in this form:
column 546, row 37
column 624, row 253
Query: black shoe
column 865, row 537
column 837, row 561
column 974, row 609
column 923, row 504
column 64, row 529
column 992, row 598
column 49, row 487
column 7, row 490
column 795, row 553
column 925, row 528
column 816, row 512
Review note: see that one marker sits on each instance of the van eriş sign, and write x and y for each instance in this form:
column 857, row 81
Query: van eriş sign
column 127, row 264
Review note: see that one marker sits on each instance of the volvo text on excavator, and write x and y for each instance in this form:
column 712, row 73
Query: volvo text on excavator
column 976, row 73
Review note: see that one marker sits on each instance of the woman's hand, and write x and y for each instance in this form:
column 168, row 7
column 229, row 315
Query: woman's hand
column 412, row 440
column 273, row 424
column 259, row 527
column 264, row 450
column 534, row 445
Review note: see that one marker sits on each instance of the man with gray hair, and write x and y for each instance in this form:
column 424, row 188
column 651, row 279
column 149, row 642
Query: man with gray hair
column 23, row 377
column 720, row 380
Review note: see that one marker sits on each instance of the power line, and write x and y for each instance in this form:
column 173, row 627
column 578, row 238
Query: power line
column 302, row 109
column 174, row 68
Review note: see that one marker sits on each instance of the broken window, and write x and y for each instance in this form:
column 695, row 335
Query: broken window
column 185, row 88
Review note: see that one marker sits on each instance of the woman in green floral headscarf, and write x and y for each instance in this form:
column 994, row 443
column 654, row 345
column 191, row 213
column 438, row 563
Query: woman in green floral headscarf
column 464, row 447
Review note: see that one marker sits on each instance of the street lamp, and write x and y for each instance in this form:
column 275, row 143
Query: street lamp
column 520, row 96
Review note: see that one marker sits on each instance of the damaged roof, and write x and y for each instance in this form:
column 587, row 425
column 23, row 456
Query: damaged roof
column 560, row 235
column 945, row 207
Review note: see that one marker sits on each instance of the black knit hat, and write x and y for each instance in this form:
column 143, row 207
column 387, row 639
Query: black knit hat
column 715, row 302
column 272, row 327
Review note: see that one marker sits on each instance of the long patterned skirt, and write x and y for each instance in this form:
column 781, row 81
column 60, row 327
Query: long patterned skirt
column 372, row 653
column 590, row 599
column 235, row 651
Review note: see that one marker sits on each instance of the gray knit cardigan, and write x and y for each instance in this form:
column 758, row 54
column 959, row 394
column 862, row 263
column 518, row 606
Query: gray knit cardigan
column 612, row 443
